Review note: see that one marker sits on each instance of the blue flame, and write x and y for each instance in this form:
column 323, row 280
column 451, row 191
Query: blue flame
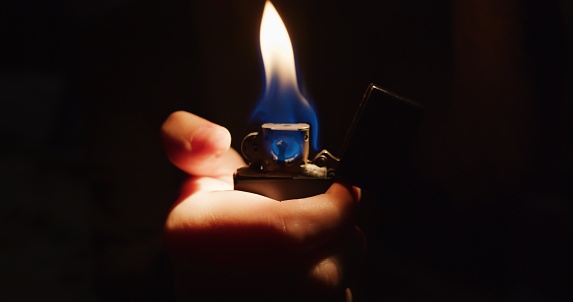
column 285, row 148
column 284, row 104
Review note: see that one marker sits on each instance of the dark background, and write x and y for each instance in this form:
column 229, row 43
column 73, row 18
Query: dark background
column 484, row 212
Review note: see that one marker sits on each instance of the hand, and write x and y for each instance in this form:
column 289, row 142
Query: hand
column 233, row 245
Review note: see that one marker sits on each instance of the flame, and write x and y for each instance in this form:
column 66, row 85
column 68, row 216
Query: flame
column 282, row 101
column 276, row 49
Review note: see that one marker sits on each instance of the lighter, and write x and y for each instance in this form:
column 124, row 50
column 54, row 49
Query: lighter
column 374, row 150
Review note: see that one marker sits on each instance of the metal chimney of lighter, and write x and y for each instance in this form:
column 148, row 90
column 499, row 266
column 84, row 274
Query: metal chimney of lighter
column 278, row 164
column 283, row 149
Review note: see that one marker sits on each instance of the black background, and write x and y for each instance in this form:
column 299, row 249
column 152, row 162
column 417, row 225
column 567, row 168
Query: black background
column 483, row 212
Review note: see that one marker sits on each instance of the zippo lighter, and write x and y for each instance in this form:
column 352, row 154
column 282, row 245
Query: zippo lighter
column 375, row 148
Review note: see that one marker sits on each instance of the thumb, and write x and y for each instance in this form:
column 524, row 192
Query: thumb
column 198, row 146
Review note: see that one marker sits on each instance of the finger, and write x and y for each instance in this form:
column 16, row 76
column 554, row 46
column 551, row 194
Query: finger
column 339, row 263
column 238, row 224
column 312, row 221
column 198, row 146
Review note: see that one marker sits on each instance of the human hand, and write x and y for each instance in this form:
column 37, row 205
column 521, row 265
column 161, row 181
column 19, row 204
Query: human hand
column 234, row 245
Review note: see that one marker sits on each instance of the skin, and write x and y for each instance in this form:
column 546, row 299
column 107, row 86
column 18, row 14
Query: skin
column 234, row 245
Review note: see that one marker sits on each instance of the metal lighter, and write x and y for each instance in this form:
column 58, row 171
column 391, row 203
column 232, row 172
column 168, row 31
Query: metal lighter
column 375, row 148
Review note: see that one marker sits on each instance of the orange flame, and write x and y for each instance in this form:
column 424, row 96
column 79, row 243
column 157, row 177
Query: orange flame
column 282, row 101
